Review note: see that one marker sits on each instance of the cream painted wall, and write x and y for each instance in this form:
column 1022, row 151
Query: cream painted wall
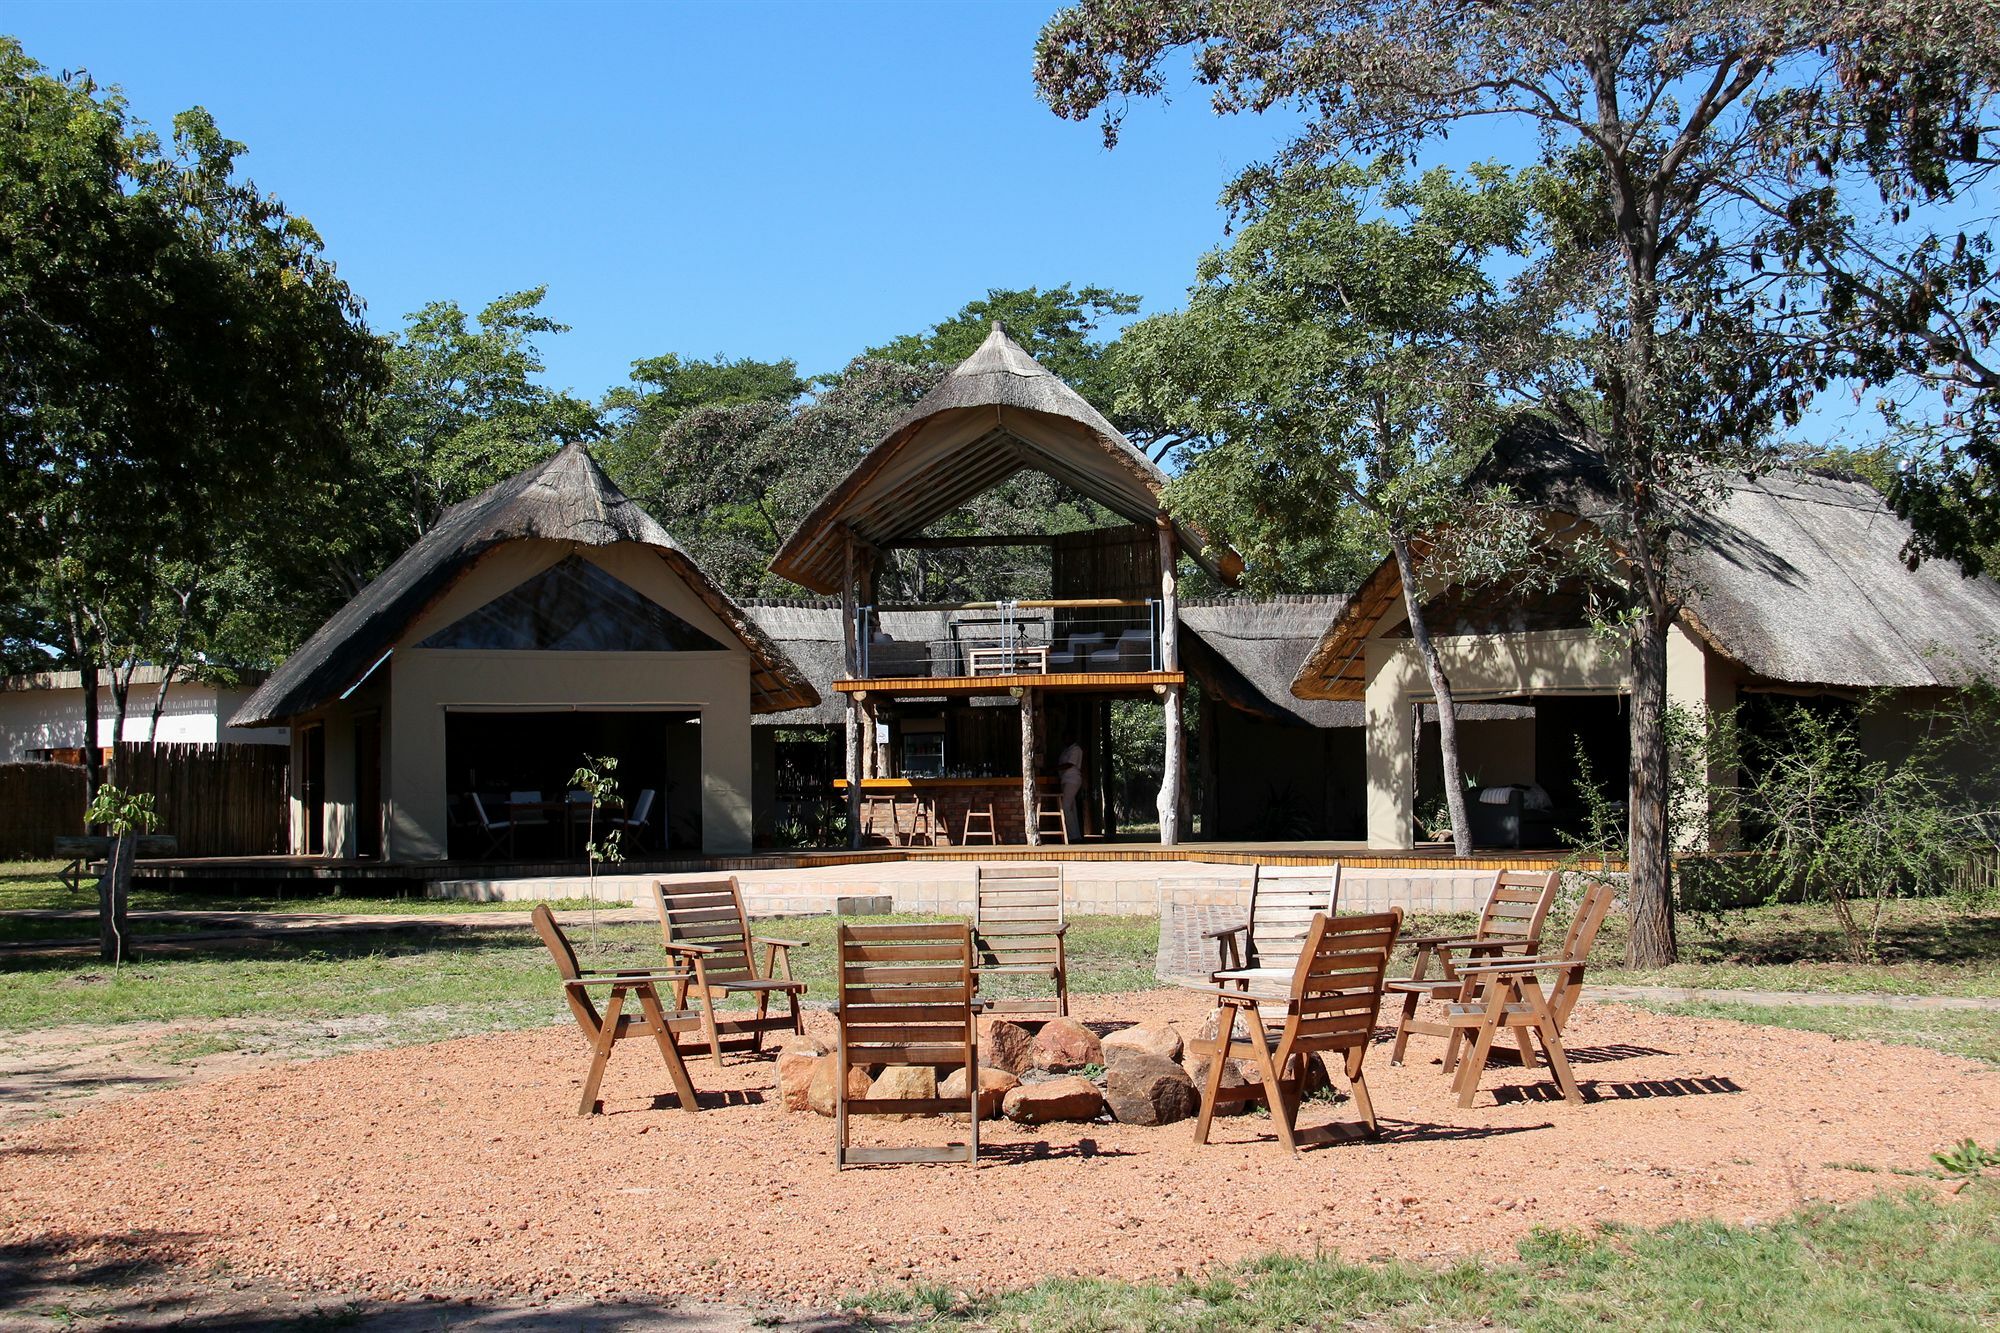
column 426, row 683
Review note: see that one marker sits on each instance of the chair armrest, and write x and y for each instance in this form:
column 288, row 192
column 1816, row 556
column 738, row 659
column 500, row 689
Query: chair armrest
column 1431, row 939
column 1518, row 965
column 1061, row 930
column 623, row 979
column 691, row 950
column 1225, row 932
column 782, row 944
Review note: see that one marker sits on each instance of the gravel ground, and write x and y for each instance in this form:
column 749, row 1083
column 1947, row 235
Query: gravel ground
column 460, row 1168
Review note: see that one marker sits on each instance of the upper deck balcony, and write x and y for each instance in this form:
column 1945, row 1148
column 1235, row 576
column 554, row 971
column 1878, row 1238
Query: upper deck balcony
column 1072, row 641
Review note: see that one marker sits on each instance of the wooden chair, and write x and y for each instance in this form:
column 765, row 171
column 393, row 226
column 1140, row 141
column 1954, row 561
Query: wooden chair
column 1018, row 928
column 709, row 940
column 605, row 1030
column 986, row 830
column 1263, row 952
column 1331, row 1007
column 905, row 998
column 1051, row 818
column 1511, row 922
column 498, row 832
column 1508, row 994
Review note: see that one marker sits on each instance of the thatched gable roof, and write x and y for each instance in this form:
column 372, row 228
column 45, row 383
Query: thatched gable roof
column 998, row 412
column 1249, row 652
column 1797, row 576
column 566, row 499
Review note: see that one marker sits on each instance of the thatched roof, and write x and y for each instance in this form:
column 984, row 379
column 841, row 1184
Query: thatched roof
column 566, row 499
column 1249, row 652
column 998, row 412
column 1797, row 576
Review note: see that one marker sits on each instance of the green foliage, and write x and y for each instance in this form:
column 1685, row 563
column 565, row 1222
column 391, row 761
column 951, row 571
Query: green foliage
column 1338, row 367
column 122, row 812
column 664, row 388
column 1840, row 826
column 179, row 363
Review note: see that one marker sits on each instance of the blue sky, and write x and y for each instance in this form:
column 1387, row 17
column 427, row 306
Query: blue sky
column 758, row 180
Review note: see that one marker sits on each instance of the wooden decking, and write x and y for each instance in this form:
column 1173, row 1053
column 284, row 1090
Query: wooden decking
column 220, row 870
column 1100, row 682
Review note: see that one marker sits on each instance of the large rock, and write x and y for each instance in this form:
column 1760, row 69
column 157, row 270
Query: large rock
column 1233, row 1071
column 826, row 1082
column 1064, row 1044
column 798, row 1060
column 904, row 1081
column 994, row 1085
column 1158, row 1040
column 1143, row 1089
column 1008, row 1046
column 1058, row 1099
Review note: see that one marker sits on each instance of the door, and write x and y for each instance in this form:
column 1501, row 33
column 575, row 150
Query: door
column 312, row 788
column 368, row 785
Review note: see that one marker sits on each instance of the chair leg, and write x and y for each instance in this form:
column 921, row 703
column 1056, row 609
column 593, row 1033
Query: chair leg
column 1274, row 1090
column 1224, row 1030
column 649, row 1003
column 1362, row 1101
column 607, row 1036
column 1410, row 1003
column 708, row 1021
column 1527, row 1045
column 1475, row 1064
column 763, row 1011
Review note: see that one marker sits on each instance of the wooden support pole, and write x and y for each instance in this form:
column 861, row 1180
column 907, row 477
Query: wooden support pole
column 1029, row 756
column 849, row 611
column 1107, row 773
column 1172, row 765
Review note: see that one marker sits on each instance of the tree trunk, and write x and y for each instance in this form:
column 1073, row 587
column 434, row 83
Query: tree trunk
column 1420, row 634
column 1030, row 762
column 93, row 758
column 114, row 891
column 1649, row 890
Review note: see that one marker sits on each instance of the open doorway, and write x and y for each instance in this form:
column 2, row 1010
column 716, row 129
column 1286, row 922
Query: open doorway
column 518, row 765
column 368, row 786
column 312, row 788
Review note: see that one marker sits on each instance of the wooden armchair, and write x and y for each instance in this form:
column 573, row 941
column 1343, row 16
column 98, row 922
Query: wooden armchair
column 605, row 1030
column 708, row 940
column 905, row 998
column 1508, row 994
column 1331, row 1007
column 1510, row 923
column 1263, row 952
column 1018, row 929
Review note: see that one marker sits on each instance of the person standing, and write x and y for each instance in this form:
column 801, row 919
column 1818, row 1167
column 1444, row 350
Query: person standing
column 1069, row 771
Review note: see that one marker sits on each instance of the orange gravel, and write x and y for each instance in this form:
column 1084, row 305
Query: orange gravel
column 461, row 1168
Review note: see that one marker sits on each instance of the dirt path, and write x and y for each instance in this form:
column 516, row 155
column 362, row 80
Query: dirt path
column 459, row 1166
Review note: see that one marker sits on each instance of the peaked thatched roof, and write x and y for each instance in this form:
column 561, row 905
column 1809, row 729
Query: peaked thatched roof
column 1249, row 652
column 1797, row 576
column 998, row 412
column 566, row 499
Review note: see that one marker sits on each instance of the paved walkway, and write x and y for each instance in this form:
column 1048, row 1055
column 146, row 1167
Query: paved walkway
column 213, row 927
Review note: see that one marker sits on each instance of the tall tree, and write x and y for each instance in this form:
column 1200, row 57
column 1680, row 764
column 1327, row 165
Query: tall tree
column 1339, row 362
column 177, row 360
column 1659, row 346
column 664, row 388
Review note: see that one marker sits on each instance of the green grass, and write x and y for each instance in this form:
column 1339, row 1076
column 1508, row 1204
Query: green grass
column 1909, row 1261
column 1970, row 1033
column 419, row 982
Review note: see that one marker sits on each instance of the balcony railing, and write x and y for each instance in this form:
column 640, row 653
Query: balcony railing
column 1027, row 638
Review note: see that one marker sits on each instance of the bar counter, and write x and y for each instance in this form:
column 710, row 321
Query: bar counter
column 890, row 818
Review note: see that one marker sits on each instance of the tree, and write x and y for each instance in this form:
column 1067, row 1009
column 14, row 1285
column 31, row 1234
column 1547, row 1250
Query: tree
column 177, row 361
column 1657, row 344
column 663, row 388
column 732, row 482
column 1338, row 362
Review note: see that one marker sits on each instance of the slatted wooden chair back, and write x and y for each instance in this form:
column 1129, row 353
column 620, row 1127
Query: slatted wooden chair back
column 1018, row 927
column 1518, row 904
column 905, row 998
column 709, row 912
column 1283, row 901
column 1336, row 993
column 1577, row 942
column 581, row 1007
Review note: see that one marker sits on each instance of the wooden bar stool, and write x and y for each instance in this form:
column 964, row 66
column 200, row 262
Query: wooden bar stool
column 1047, row 808
column 873, row 803
column 985, row 830
column 923, row 820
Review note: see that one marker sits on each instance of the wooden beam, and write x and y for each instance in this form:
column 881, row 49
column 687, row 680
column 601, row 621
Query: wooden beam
column 1170, row 615
column 1029, row 700
column 947, row 543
